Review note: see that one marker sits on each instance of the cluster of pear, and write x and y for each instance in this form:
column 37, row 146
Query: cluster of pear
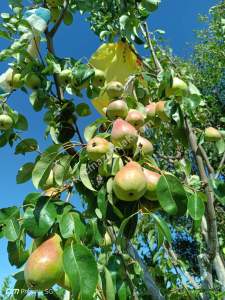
column 30, row 80
column 44, row 267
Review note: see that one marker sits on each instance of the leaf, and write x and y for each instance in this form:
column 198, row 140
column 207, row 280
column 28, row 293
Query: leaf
column 43, row 166
column 220, row 145
column 193, row 89
column 11, row 230
column 8, row 213
column 83, row 110
column 67, row 226
column 17, row 254
column 81, row 268
column 102, row 201
column 25, row 173
column 84, row 177
column 91, row 129
column 122, row 292
column 21, row 123
column 61, row 169
column 31, row 200
column 163, row 226
column 27, row 145
column 196, row 207
column 110, row 291
column 120, row 238
column 171, row 195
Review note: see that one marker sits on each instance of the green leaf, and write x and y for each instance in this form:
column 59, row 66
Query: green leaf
column 92, row 128
column 83, row 110
column 8, row 213
column 171, row 194
column 17, row 253
column 122, row 292
column 21, row 123
column 61, row 169
column 110, row 291
column 25, row 173
column 81, row 268
column 67, row 225
column 11, row 229
column 163, row 226
column 85, row 178
column 220, row 145
column 31, row 200
column 102, row 201
column 27, row 145
column 196, row 207
column 43, row 166
column 120, row 236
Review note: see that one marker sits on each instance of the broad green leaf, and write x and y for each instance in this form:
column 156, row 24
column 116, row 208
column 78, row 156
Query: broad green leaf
column 92, row 128
column 31, row 200
column 120, row 237
column 11, row 229
column 110, row 291
column 21, row 123
column 9, row 213
column 83, row 110
column 102, row 201
column 196, row 207
column 163, row 226
column 81, row 268
column 25, row 173
column 122, row 292
column 27, row 145
column 61, row 169
column 171, row 194
column 16, row 253
column 85, row 178
column 67, row 225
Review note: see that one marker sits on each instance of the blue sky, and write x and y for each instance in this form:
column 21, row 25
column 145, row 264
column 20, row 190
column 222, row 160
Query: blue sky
column 177, row 17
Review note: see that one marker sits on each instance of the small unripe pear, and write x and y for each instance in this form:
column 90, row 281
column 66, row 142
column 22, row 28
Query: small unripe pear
column 6, row 122
column 135, row 118
column 150, row 111
column 117, row 109
column 129, row 183
column 145, row 146
column 160, row 111
column 212, row 134
column 152, row 179
column 68, row 18
column 17, row 81
column 123, row 134
column 114, row 89
column 98, row 147
column 44, row 267
column 65, row 77
column 179, row 88
column 99, row 78
column 32, row 81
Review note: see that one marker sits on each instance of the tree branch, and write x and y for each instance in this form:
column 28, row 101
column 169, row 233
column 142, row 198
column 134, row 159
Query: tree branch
column 206, row 159
column 220, row 166
column 59, row 21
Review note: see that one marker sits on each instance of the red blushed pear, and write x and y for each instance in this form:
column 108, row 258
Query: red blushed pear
column 160, row 111
column 44, row 267
column 117, row 109
column 212, row 134
column 98, row 147
column 150, row 111
column 135, row 118
column 123, row 134
column 145, row 146
column 130, row 183
column 152, row 179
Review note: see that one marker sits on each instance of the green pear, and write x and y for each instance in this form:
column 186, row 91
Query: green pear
column 145, row 146
column 99, row 78
column 123, row 134
column 160, row 111
column 33, row 81
column 114, row 89
column 68, row 18
column 129, row 183
column 6, row 122
column 117, row 109
column 65, row 77
column 150, row 111
column 150, row 5
column 44, row 267
column 212, row 134
column 98, row 147
column 179, row 88
column 17, row 81
column 135, row 118
column 152, row 179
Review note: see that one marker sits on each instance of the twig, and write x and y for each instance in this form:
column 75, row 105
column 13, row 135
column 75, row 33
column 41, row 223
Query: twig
column 220, row 166
column 206, row 159
column 59, row 21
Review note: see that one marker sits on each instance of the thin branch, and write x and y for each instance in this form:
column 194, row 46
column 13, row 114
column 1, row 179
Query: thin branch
column 220, row 166
column 206, row 159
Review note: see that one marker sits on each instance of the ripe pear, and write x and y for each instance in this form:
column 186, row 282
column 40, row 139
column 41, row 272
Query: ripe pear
column 17, row 81
column 6, row 122
column 117, row 109
column 98, row 147
column 135, row 118
column 152, row 179
column 129, row 183
column 179, row 88
column 32, row 81
column 44, row 267
column 160, row 111
column 145, row 146
column 99, row 78
column 123, row 134
column 150, row 111
column 114, row 89
column 65, row 77
column 212, row 134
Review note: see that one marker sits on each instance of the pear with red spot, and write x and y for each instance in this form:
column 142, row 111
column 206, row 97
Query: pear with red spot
column 152, row 179
column 135, row 118
column 98, row 147
column 123, row 134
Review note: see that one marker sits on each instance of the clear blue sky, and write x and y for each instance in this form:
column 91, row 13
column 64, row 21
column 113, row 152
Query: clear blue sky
column 177, row 17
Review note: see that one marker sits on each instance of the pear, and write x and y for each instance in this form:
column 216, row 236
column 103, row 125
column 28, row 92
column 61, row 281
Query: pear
column 160, row 111
column 179, row 88
column 98, row 147
column 32, row 81
column 129, row 183
column 68, row 18
column 123, row 134
column 44, row 267
column 99, row 78
column 150, row 5
column 17, row 81
column 152, row 179
column 117, row 109
column 150, row 111
column 114, row 89
column 6, row 122
column 65, row 77
column 145, row 146
column 135, row 118
column 212, row 134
